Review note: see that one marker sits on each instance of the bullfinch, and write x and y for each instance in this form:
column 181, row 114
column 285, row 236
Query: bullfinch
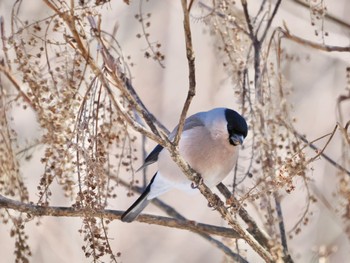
column 209, row 143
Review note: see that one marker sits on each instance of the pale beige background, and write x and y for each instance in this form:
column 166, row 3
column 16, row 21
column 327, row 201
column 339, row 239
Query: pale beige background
column 317, row 83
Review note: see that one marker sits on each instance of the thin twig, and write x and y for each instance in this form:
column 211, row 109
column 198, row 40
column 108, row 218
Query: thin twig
column 191, row 68
column 203, row 230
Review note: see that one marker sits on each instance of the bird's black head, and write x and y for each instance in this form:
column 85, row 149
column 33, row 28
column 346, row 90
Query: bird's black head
column 236, row 126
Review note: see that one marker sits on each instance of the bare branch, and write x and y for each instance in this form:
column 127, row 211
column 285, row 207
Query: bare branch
column 62, row 211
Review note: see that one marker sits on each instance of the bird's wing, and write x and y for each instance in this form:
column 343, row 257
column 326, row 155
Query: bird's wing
column 152, row 157
column 190, row 123
column 193, row 121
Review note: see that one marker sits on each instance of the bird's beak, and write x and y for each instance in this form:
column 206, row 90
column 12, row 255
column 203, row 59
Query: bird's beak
column 237, row 139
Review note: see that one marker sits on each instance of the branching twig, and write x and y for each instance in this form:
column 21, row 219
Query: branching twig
column 320, row 152
column 253, row 228
column 269, row 21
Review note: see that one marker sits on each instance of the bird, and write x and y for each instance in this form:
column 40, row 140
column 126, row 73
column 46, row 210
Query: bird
column 209, row 143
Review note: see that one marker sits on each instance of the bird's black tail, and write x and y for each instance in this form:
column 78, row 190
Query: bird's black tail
column 136, row 208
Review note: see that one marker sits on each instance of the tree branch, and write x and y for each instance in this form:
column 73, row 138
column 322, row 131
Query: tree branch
column 308, row 43
column 62, row 211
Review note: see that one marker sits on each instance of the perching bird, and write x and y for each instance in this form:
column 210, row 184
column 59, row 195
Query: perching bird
column 209, row 143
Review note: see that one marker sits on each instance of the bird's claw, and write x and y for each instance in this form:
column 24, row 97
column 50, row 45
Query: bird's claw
column 194, row 185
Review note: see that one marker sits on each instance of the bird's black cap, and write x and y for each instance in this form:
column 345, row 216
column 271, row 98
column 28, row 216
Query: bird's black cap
column 236, row 124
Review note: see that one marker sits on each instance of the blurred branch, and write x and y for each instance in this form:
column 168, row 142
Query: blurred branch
column 286, row 33
column 3, row 40
column 283, row 236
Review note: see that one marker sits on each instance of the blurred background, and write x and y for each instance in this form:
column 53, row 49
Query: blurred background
column 317, row 79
